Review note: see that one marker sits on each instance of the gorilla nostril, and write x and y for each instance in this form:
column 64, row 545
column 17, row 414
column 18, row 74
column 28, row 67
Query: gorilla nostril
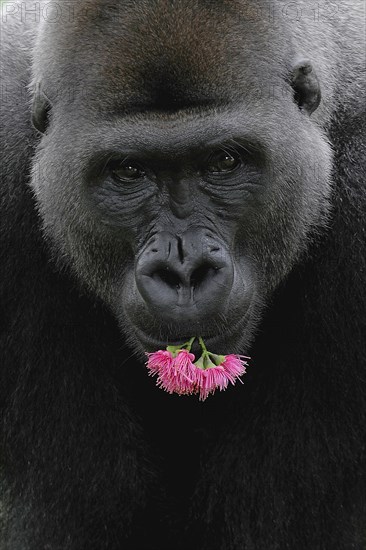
column 180, row 250
column 201, row 274
column 168, row 277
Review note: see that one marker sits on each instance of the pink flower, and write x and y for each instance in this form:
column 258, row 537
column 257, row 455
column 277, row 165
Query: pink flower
column 174, row 375
column 157, row 360
column 219, row 376
column 210, row 379
column 234, row 366
column 176, row 372
column 186, row 372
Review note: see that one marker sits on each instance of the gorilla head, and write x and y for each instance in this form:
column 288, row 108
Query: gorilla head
column 179, row 176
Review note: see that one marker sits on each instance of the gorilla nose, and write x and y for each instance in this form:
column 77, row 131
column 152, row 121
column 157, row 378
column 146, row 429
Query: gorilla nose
column 183, row 278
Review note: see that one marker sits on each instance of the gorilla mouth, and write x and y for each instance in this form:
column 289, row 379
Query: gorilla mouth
column 152, row 343
column 215, row 342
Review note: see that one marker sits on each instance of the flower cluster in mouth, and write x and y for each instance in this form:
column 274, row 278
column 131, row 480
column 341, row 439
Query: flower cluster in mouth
column 178, row 372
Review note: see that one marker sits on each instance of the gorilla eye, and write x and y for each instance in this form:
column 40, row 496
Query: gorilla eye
column 222, row 161
column 127, row 171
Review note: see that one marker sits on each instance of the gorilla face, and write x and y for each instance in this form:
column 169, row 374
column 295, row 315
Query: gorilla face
column 178, row 193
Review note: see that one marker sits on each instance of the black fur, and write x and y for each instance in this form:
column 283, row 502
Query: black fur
column 92, row 455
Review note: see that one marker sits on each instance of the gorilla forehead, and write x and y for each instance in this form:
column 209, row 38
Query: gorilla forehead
column 192, row 53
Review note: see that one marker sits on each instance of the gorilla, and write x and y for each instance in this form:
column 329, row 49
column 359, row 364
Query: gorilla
column 178, row 168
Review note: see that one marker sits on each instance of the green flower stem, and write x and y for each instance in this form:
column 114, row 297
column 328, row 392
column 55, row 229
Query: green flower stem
column 202, row 344
column 188, row 344
column 207, row 359
column 217, row 359
column 210, row 359
column 174, row 350
column 199, row 363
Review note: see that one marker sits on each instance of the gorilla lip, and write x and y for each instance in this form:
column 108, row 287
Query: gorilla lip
column 216, row 341
column 153, row 344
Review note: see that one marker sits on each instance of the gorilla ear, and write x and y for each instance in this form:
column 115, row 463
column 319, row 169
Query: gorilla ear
column 40, row 110
column 305, row 84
